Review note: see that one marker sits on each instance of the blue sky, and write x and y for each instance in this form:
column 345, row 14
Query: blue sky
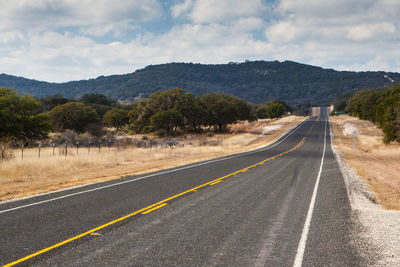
column 63, row 40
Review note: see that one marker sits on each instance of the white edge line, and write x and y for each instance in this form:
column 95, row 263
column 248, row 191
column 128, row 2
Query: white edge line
column 143, row 177
column 298, row 261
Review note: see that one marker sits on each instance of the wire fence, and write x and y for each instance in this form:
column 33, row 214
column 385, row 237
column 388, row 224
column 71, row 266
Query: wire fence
column 83, row 146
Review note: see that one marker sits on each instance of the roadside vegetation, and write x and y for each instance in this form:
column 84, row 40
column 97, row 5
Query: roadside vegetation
column 380, row 107
column 375, row 116
column 27, row 121
column 377, row 163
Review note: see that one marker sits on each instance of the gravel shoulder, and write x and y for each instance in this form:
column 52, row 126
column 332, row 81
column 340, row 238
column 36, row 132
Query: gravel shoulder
column 380, row 227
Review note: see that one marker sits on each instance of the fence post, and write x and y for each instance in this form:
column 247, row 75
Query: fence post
column 2, row 152
column 354, row 140
column 39, row 149
column 77, row 147
column 66, row 147
column 89, row 147
column 22, row 152
column 53, row 147
column 99, row 145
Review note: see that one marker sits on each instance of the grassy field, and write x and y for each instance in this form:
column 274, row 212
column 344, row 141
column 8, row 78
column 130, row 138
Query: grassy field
column 33, row 175
column 378, row 164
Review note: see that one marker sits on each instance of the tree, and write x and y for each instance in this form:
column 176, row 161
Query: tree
column 75, row 116
column 362, row 104
column 223, row 109
column 177, row 99
column 382, row 108
column 169, row 120
column 187, row 112
column 260, row 111
column 49, row 102
column 20, row 117
column 116, row 117
column 193, row 112
column 275, row 109
column 98, row 99
column 99, row 102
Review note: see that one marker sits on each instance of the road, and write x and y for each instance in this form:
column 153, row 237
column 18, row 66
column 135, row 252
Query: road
column 282, row 205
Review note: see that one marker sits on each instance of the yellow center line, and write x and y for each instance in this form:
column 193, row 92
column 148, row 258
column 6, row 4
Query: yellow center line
column 154, row 206
column 75, row 237
column 216, row 182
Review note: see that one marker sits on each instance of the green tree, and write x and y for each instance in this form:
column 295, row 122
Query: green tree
column 75, row 116
column 169, row 120
column 20, row 117
column 99, row 102
column 193, row 112
column 186, row 104
column 382, row 108
column 223, row 109
column 260, row 111
column 362, row 104
column 116, row 117
column 275, row 109
column 188, row 112
column 98, row 99
column 49, row 102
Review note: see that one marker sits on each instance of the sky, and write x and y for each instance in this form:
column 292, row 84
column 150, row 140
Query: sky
column 63, row 40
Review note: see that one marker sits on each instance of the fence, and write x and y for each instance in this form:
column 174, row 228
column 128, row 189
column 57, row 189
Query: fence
column 90, row 146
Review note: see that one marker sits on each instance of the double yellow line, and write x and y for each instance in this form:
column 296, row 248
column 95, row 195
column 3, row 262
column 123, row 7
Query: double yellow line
column 155, row 206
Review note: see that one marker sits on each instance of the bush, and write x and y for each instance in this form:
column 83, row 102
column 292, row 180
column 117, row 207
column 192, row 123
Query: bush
column 75, row 116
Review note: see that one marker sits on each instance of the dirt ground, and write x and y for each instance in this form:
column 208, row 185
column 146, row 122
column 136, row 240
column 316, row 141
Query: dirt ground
column 32, row 175
column 378, row 164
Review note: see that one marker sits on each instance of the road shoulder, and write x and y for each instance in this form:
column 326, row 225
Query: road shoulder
column 379, row 226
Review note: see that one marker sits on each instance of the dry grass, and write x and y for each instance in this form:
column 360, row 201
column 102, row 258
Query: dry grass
column 377, row 163
column 32, row 175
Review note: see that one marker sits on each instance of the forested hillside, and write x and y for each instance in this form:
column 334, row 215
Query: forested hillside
column 256, row 81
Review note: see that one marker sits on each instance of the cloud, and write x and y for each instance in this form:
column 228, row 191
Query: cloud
column 212, row 11
column 181, row 8
column 337, row 33
column 69, row 39
column 248, row 24
column 49, row 14
column 364, row 32
column 283, row 32
column 61, row 57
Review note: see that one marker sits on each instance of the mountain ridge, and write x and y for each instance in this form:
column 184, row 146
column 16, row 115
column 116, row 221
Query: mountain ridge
column 255, row 81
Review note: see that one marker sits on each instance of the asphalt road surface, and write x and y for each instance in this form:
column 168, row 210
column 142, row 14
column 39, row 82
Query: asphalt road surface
column 282, row 205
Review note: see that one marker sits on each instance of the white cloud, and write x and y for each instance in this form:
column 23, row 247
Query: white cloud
column 61, row 57
column 248, row 24
column 181, row 8
column 49, row 14
column 10, row 38
column 211, row 11
column 357, row 34
column 283, row 32
column 365, row 32
column 338, row 33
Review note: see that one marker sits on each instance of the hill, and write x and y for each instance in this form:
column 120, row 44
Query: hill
column 255, row 81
